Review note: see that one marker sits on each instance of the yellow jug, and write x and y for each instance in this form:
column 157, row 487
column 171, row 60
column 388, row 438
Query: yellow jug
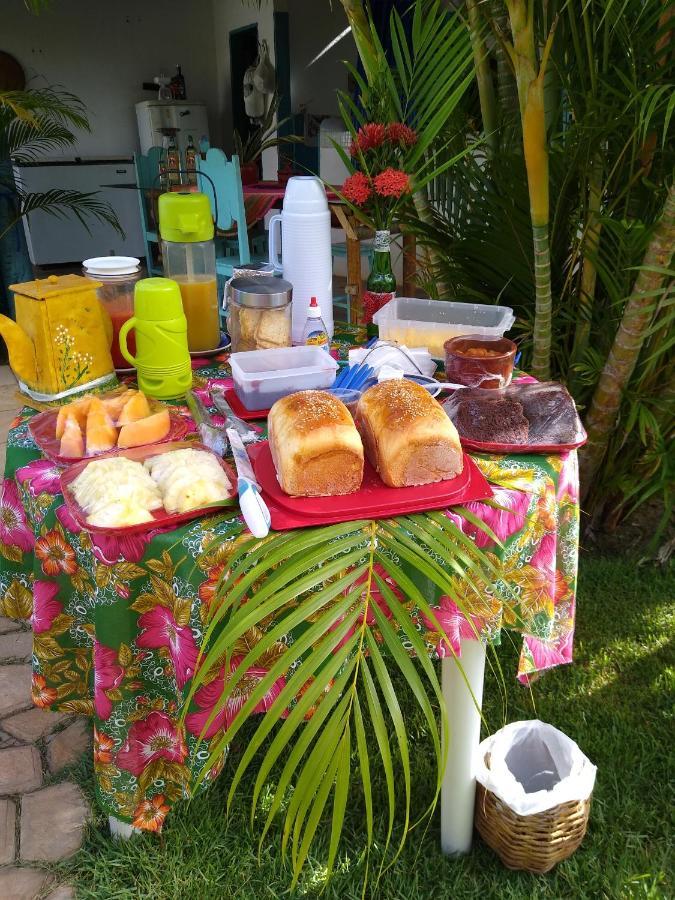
column 60, row 342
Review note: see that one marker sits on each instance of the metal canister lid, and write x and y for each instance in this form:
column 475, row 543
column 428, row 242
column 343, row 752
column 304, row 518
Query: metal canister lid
column 260, row 293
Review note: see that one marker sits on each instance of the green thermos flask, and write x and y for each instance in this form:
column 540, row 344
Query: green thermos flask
column 162, row 358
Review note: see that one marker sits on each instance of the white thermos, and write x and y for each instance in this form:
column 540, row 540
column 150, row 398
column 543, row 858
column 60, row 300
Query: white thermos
column 303, row 230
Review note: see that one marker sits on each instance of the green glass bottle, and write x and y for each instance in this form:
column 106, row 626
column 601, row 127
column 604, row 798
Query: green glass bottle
column 381, row 283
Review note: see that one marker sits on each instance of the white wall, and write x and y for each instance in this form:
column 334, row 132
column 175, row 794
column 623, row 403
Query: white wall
column 102, row 52
column 229, row 15
column 313, row 24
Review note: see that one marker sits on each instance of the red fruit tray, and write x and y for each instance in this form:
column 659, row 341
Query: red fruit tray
column 242, row 411
column 161, row 518
column 374, row 500
column 43, row 431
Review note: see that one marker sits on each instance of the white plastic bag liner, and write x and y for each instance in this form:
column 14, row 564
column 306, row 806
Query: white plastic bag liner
column 534, row 767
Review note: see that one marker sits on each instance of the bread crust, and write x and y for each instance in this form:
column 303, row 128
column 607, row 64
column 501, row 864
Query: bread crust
column 407, row 436
column 316, row 449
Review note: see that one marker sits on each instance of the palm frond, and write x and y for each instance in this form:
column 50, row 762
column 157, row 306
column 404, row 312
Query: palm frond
column 64, row 203
column 342, row 598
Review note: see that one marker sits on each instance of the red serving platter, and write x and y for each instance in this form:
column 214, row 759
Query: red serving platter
column 374, row 500
column 242, row 411
column 486, row 447
column 161, row 518
column 43, row 431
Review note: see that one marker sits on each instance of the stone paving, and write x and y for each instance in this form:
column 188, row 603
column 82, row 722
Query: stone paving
column 39, row 823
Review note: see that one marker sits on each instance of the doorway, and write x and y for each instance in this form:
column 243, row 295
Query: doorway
column 243, row 54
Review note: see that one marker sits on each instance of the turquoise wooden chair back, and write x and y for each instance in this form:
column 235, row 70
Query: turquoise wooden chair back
column 147, row 170
column 225, row 192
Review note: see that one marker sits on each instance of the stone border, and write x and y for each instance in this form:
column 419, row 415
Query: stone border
column 38, row 824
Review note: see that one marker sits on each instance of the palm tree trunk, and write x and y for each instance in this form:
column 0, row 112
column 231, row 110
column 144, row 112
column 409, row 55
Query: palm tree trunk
column 481, row 61
column 530, row 82
column 588, row 272
column 623, row 356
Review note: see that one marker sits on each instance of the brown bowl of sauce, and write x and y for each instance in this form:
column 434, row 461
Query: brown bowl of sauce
column 479, row 362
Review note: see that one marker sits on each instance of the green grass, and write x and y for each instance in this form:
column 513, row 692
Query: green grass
column 615, row 701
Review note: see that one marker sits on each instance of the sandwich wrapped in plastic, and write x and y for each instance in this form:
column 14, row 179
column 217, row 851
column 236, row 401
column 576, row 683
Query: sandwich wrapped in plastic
column 527, row 415
column 532, row 767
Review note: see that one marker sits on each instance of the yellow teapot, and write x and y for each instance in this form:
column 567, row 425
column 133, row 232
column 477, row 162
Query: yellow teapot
column 60, row 342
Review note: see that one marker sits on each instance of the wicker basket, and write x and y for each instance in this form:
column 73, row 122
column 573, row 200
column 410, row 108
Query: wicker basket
column 533, row 843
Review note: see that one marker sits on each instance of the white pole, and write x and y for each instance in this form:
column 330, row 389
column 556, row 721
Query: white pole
column 458, row 791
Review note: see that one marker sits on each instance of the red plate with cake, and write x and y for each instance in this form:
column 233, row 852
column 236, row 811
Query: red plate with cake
column 538, row 417
column 374, row 500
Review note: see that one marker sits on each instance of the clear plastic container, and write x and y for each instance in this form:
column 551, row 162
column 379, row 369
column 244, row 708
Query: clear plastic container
column 118, row 275
column 430, row 323
column 261, row 377
column 259, row 313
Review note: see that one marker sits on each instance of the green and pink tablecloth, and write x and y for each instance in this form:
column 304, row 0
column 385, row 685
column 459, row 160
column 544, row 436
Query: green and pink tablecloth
column 117, row 620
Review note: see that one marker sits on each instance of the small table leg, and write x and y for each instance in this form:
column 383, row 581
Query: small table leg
column 121, row 830
column 458, row 791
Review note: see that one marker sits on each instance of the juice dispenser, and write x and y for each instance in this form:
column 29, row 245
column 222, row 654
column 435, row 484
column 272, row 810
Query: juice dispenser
column 186, row 229
column 116, row 276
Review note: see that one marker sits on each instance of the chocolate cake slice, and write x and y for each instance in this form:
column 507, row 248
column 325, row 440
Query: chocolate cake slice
column 492, row 421
column 551, row 413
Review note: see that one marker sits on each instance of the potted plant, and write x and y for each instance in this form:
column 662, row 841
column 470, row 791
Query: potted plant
column 263, row 136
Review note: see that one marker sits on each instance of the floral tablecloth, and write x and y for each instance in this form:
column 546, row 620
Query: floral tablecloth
column 117, row 620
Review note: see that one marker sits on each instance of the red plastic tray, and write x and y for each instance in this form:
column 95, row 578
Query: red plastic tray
column 162, row 519
column 43, row 431
column 485, row 447
column 374, row 500
column 242, row 411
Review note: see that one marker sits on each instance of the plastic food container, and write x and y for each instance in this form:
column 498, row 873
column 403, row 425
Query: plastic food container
column 430, row 323
column 480, row 363
column 261, row 377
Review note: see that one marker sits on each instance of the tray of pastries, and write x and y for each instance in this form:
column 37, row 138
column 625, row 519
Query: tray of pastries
column 526, row 417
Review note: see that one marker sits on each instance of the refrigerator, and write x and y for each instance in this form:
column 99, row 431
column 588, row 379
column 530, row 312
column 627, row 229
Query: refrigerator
column 153, row 115
column 51, row 240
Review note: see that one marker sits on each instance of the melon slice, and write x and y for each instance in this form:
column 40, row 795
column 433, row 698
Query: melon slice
column 78, row 410
column 115, row 405
column 101, row 433
column 72, row 440
column 145, row 431
column 137, row 407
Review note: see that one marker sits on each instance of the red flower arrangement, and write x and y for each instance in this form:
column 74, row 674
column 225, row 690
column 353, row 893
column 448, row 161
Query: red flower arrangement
column 392, row 183
column 368, row 137
column 357, row 189
column 398, row 133
column 381, row 181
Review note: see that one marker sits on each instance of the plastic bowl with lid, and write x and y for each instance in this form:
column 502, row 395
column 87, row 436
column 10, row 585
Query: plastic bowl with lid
column 479, row 362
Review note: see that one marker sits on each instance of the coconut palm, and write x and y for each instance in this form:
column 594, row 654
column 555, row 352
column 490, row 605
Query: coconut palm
column 349, row 594
column 33, row 123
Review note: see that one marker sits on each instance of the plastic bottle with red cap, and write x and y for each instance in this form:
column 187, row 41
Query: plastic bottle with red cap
column 315, row 333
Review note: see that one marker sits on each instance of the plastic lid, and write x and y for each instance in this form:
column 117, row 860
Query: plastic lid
column 265, row 292
column 305, row 194
column 314, row 311
column 157, row 299
column 112, row 265
column 185, row 218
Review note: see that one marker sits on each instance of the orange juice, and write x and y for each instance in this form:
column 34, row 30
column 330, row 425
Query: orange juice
column 200, row 304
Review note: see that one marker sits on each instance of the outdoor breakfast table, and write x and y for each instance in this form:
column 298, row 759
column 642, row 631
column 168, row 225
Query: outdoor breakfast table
column 118, row 619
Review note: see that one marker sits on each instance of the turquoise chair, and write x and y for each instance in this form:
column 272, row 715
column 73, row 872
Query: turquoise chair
column 147, row 170
column 220, row 179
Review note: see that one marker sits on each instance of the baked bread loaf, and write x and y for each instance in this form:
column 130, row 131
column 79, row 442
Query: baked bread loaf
column 407, row 436
column 315, row 446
